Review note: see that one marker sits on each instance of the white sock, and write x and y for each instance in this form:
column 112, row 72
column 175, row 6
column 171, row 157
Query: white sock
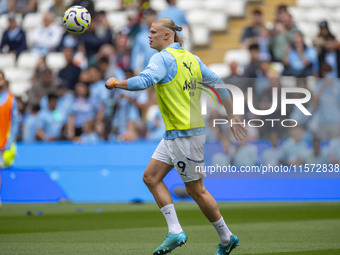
column 171, row 218
column 222, row 231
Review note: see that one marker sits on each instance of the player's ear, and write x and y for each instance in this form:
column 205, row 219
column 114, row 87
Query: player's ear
column 166, row 35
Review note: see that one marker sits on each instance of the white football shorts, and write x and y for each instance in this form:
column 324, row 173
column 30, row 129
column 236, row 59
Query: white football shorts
column 185, row 154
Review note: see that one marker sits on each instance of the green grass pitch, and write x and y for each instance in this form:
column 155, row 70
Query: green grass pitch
column 301, row 228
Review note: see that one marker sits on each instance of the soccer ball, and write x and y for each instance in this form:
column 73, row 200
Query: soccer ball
column 76, row 19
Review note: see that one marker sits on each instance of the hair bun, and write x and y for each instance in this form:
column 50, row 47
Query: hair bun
column 179, row 28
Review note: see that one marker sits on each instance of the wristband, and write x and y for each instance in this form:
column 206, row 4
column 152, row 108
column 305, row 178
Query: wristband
column 114, row 81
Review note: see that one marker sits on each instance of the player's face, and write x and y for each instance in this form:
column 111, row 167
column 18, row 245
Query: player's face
column 2, row 82
column 156, row 36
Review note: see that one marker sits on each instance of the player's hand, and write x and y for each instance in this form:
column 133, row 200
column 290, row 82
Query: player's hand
column 238, row 130
column 109, row 84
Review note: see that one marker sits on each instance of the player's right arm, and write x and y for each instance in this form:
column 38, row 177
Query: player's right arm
column 238, row 130
column 152, row 74
column 210, row 78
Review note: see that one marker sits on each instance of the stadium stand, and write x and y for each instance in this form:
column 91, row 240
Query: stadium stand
column 55, row 61
column 107, row 5
column 7, row 60
column 215, row 37
column 32, row 21
column 28, row 60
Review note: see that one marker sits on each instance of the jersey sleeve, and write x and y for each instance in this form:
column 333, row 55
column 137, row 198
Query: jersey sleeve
column 210, row 78
column 152, row 74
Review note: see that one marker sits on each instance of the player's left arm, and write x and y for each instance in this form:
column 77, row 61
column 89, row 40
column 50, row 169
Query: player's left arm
column 14, row 125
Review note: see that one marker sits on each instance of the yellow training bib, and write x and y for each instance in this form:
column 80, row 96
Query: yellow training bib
column 179, row 99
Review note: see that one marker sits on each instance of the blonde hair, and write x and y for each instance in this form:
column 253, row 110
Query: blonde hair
column 168, row 23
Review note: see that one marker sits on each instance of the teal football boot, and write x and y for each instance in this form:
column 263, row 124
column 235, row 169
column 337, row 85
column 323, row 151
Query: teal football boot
column 171, row 242
column 226, row 249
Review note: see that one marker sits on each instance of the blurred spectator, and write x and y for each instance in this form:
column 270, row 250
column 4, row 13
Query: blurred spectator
column 103, row 64
column 273, row 155
column 64, row 103
column 123, row 52
column 295, row 149
column 58, row 8
column 132, row 27
column 88, row 4
column 3, row 6
column 9, row 118
column 213, row 134
column 141, row 51
column 290, row 27
column 319, row 41
column 129, row 4
column 94, row 77
column 47, row 37
column 131, row 133
column 126, row 118
column 106, row 60
column 30, row 125
column 102, row 24
column 225, row 157
column 69, row 40
column 300, row 59
column 22, row 114
column 283, row 35
column 40, row 67
column 330, row 54
column 234, row 78
column 101, row 130
column 318, row 154
column 109, row 69
column 49, row 121
column 154, row 121
column 14, row 38
column 252, row 32
column 98, row 34
column 279, row 42
column 254, row 65
column 280, row 10
column 263, row 41
column 265, row 102
column 22, row 6
column 89, row 135
column 84, row 108
column 69, row 75
column 9, row 125
column 262, row 81
column 253, row 133
column 334, row 150
column 310, row 123
column 141, row 99
column 45, row 84
column 245, row 155
column 178, row 16
column 326, row 103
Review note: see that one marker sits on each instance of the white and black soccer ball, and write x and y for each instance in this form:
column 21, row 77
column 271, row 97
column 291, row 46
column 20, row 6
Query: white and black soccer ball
column 77, row 19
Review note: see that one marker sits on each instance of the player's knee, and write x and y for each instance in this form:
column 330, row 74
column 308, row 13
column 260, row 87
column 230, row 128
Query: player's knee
column 148, row 180
column 194, row 192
